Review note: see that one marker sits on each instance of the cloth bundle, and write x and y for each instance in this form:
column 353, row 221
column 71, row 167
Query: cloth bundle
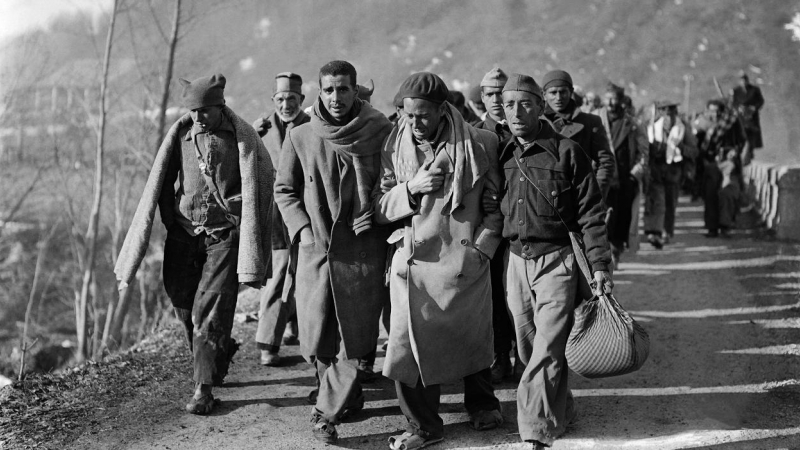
column 605, row 341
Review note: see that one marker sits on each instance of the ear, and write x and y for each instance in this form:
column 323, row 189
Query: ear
column 184, row 82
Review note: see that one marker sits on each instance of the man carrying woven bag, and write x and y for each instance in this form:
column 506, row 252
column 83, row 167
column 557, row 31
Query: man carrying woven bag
column 550, row 191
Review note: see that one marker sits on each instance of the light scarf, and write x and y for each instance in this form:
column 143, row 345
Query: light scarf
column 470, row 165
column 673, row 140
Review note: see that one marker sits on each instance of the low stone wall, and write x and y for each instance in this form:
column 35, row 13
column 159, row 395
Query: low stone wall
column 775, row 190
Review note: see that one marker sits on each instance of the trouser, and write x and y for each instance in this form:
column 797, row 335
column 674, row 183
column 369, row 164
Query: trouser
column 339, row 386
column 502, row 325
column 621, row 199
column 541, row 297
column 386, row 314
column 201, row 281
column 712, row 180
column 661, row 200
column 728, row 205
column 420, row 404
column 274, row 312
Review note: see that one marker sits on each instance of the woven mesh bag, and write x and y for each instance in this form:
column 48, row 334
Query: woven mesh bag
column 605, row 341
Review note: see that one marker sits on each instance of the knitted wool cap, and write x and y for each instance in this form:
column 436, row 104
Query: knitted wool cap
column 494, row 78
column 525, row 83
column 424, row 85
column 205, row 91
column 556, row 78
column 365, row 90
column 288, row 82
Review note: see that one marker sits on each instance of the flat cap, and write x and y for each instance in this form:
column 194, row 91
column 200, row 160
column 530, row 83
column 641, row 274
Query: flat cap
column 494, row 78
column 288, row 82
column 556, row 78
column 660, row 104
column 204, row 91
column 365, row 90
column 525, row 83
column 426, row 86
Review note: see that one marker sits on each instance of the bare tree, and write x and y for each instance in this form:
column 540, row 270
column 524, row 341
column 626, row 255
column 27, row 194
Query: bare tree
column 173, row 43
column 94, row 216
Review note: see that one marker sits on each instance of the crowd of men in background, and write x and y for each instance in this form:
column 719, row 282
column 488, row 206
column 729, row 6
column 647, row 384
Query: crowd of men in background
column 451, row 219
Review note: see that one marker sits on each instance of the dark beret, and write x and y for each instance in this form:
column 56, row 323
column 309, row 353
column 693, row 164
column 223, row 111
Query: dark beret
column 205, row 91
column 618, row 90
column 556, row 78
column 525, row 83
column 426, row 86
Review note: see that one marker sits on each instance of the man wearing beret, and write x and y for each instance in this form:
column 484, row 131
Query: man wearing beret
column 550, row 192
column 502, row 326
column 441, row 329
column 587, row 130
column 277, row 300
column 631, row 151
column 211, row 180
column 328, row 170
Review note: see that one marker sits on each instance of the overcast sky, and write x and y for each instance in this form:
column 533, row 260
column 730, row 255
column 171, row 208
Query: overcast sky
column 17, row 16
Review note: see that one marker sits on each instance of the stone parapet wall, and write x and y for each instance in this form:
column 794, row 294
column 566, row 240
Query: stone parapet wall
column 775, row 190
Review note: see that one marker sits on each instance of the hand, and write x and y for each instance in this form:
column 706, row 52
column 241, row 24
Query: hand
column 489, row 202
column 306, row 236
column 602, row 283
column 261, row 125
column 387, row 183
column 426, row 180
column 254, row 284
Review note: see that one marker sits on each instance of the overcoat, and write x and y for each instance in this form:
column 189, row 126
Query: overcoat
column 441, row 324
column 340, row 287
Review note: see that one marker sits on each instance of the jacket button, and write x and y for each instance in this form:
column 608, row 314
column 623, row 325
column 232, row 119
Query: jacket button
column 554, row 193
column 521, row 222
column 410, row 262
column 464, row 242
column 522, row 179
column 321, row 208
column 519, row 201
column 363, row 254
column 522, row 159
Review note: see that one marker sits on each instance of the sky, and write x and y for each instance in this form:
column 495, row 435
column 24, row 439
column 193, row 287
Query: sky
column 18, row 16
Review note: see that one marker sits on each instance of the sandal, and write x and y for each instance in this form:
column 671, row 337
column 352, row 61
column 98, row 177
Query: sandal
column 411, row 441
column 201, row 406
column 323, row 430
column 485, row 420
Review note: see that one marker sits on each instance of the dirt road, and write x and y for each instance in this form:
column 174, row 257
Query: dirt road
column 724, row 371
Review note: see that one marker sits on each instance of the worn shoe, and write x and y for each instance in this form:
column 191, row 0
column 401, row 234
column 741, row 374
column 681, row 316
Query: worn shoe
column 353, row 409
column 712, row 234
column 501, row 368
column 269, row 358
column 201, row 406
column 655, row 241
column 485, row 420
column 411, row 441
column 322, row 430
column 536, row 445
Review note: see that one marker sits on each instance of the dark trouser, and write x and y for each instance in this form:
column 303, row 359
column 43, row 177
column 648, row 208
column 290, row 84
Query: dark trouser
column 661, row 200
column 621, row 199
column 712, row 181
column 339, row 386
column 201, row 281
column 420, row 404
column 501, row 320
column 274, row 312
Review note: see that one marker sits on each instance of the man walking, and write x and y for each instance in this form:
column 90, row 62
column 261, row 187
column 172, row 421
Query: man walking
column 551, row 192
column 212, row 180
column 440, row 285
column 328, row 170
column 277, row 300
column 747, row 98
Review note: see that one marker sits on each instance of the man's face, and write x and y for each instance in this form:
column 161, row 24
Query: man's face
column 207, row 118
column 338, row 95
column 612, row 101
column 493, row 100
column 522, row 110
column 558, row 97
column 287, row 104
column 424, row 117
column 713, row 113
column 743, row 81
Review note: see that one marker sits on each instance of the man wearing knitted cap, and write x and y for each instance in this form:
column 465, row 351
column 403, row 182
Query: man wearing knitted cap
column 631, row 151
column 328, row 170
column 587, row 130
column 441, row 329
column 550, row 192
column 212, row 180
column 277, row 307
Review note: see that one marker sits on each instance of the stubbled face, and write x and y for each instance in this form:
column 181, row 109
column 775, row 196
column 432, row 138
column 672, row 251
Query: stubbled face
column 558, row 98
column 287, row 104
column 493, row 100
column 207, row 118
column 424, row 117
column 522, row 110
column 338, row 95
column 713, row 113
column 612, row 101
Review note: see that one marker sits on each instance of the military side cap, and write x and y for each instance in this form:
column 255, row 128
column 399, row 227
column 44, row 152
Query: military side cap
column 494, row 78
column 556, row 78
column 524, row 83
column 202, row 92
column 426, row 86
column 365, row 90
column 288, row 82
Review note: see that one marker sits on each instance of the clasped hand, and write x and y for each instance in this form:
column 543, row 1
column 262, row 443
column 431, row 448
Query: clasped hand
column 426, row 180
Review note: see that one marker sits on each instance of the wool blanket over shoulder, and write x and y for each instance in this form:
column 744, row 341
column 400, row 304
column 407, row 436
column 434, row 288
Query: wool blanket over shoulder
column 356, row 141
column 257, row 175
column 470, row 165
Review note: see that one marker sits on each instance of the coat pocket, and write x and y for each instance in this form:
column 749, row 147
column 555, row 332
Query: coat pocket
column 554, row 194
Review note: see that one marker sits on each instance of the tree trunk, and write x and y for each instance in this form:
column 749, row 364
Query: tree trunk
column 173, row 43
column 94, row 216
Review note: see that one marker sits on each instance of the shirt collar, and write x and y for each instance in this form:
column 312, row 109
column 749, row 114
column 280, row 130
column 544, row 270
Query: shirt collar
column 547, row 140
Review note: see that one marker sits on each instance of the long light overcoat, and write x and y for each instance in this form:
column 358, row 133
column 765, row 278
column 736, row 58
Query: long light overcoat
column 441, row 324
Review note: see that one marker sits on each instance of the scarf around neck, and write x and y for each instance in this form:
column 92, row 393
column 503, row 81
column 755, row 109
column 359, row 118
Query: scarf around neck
column 672, row 137
column 356, row 143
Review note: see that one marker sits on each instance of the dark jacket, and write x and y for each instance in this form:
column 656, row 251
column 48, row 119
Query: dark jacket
column 563, row 174
column 749, row 100
column 588, row 131
column 501, row 130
